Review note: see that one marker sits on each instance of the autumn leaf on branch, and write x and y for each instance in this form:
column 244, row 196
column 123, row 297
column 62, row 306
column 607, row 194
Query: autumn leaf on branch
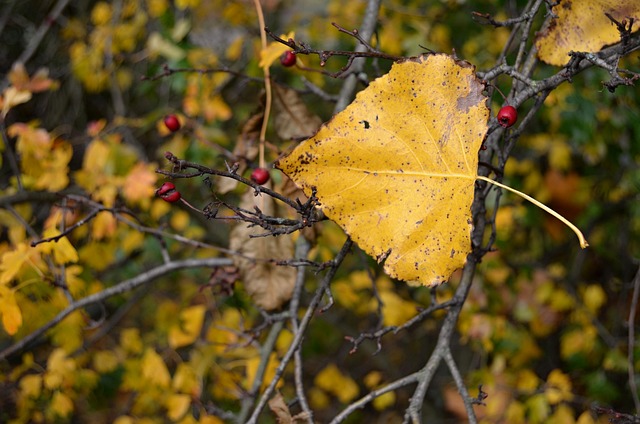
column 583, row 26
column 397, row 168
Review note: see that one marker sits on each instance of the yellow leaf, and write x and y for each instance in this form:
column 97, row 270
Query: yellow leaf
column 558, row 387
column 186, row 380
column 11, row 313
column 12, row 262
column 594, row 297
column 105, row 361
column 177, row 405
column 62, row 249
column 188, row 329
column 31, row 385
column 397, row 168
column 384, row 401
column 154, row 370
column 139, row 183
column 331, row 380
column 61, row 404
column 582, row 26
column 13, row 97
column 274, row 50
column 59, row 369
column 252, row 365
column 157, row 45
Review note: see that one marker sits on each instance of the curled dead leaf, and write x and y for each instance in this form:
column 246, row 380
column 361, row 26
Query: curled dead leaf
column 268, row 284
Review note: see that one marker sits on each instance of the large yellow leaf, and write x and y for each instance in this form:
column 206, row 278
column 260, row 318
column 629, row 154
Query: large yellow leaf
column 583, row 26
column 396, row 169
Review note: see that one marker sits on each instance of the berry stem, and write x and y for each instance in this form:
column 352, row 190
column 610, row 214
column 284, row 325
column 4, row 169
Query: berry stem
column 267, row 85
column 583, row 241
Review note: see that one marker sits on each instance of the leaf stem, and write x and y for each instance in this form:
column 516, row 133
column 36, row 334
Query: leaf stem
column 583, row 241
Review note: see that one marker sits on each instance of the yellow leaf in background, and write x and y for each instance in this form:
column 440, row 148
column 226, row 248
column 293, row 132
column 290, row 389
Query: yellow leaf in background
column 582, row 26
column 154, row 370
column 186, row 380
column 130, row 341
column 215, row 108
column 158, row 45
column 12, row 262
column 62, row 250
column 331, row 380
column 180, row 30
column 384, row 401
column 594, row 297
column 13, row 97
column 60, row 368
column 397, row 168
column 177, row 405
column 558, row 387
column 139, row 185
column 101, row 13
column 396, row 310
column 252, row 365
column 61, row 405
column 31, row 385
column 235, row 49
column 103, row 225
column 274, row 50
column 11, row 314
column 105, row 361
column 156, row 8
column 188, row 330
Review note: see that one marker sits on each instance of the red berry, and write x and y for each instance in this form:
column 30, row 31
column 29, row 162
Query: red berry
column 260, row 176
column 507, row 116
column 172, row 123
column 168, row 192
column 288, row 59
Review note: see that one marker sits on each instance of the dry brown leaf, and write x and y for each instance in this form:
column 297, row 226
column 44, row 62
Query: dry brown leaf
column 293, row 121
column 268, row 284
column 281, row 410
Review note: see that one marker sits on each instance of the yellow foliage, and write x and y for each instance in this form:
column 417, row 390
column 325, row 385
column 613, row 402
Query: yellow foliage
column 274, row 50
column 582, row 26
column 396, row 310
column 332, row 381
column 562, row 415
column 61, row 370
column 44, row 161
column 186, row 380
column 558, row 387
column 31, row 385
column 12, row 263
column 10, row 311
column 101, row 13
column 62, row 250
column 157, row 8
column 578, row 341
column 61, row 405
column 130, row 341
column 105, row 361
column 177, row 406
column 157, row 45
column 397, row 168
column 527, row 381
column 188, row 329
column 252, row 365
column 154, row 370
column 594, row 297
column 139, row 185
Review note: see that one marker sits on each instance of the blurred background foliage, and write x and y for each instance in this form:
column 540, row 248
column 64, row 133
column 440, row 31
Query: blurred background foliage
column 544, row 330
